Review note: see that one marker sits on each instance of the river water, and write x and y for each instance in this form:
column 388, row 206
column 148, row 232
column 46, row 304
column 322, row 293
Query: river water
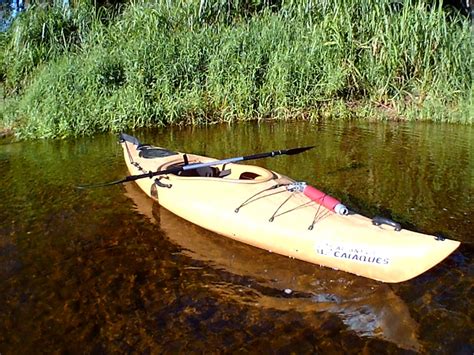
column 107, row 270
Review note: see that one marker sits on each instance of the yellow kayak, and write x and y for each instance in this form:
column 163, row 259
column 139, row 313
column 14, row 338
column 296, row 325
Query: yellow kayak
column 267, row 210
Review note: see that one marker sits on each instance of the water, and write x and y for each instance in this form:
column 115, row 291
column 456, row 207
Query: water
column 107, row 270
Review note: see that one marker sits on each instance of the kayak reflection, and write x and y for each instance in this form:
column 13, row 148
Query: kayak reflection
column 365, row 306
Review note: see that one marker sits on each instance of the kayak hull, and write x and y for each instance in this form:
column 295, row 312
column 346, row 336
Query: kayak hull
column 252, row 205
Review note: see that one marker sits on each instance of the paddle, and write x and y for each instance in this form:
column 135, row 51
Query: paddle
column 177, row 169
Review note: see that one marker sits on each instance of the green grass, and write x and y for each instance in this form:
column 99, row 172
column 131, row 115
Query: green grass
column 157, row 64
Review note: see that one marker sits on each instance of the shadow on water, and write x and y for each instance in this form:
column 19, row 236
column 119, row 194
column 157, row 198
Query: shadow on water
column 105, row 270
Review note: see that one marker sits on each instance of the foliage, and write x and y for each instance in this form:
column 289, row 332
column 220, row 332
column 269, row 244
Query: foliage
column 196, row 62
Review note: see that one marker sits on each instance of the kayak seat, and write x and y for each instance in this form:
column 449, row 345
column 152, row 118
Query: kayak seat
column 206, row 171
column 225, row 173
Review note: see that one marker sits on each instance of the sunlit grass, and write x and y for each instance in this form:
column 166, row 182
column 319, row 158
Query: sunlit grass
column 209, row 61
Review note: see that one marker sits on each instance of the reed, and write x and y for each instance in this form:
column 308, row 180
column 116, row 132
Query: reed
column 198, row 62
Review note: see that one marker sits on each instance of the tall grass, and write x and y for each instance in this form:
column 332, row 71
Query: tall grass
column 194, row 62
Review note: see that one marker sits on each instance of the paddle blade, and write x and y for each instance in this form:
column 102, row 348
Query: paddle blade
column 104, row 184
column 294, row 151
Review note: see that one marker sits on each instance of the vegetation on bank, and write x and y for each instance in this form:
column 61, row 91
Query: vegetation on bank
column 81, row 71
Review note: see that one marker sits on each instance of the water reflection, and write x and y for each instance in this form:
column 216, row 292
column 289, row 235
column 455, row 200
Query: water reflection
column 367, row 307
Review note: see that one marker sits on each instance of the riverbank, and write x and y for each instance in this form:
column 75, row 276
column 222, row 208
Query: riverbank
column 153, row 64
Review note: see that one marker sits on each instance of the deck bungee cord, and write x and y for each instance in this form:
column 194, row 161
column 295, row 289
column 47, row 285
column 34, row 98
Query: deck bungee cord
column 253, row 197
column 318, row 217
column 272, row 218
column 134, row 163
column 322, row 199
column 303, row 205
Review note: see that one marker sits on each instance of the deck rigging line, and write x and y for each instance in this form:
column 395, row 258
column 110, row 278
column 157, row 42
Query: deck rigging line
column 130, row 157
column 281, row 205
column 253, row 199
column 319, row 215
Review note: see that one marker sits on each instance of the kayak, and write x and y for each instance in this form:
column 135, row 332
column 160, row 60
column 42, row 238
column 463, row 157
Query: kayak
column 267, row 210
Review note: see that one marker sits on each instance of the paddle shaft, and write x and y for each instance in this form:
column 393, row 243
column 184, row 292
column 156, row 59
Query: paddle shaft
column 177, row 169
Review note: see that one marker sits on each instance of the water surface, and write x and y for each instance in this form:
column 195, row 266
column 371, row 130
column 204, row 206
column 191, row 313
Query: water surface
column 108, row 270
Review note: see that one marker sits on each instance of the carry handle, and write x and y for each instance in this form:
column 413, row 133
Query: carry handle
column 378, row 220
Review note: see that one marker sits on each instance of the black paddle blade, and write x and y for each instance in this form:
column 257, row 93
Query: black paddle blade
column 104, row 184
column 276, row 153
column 294, row 151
